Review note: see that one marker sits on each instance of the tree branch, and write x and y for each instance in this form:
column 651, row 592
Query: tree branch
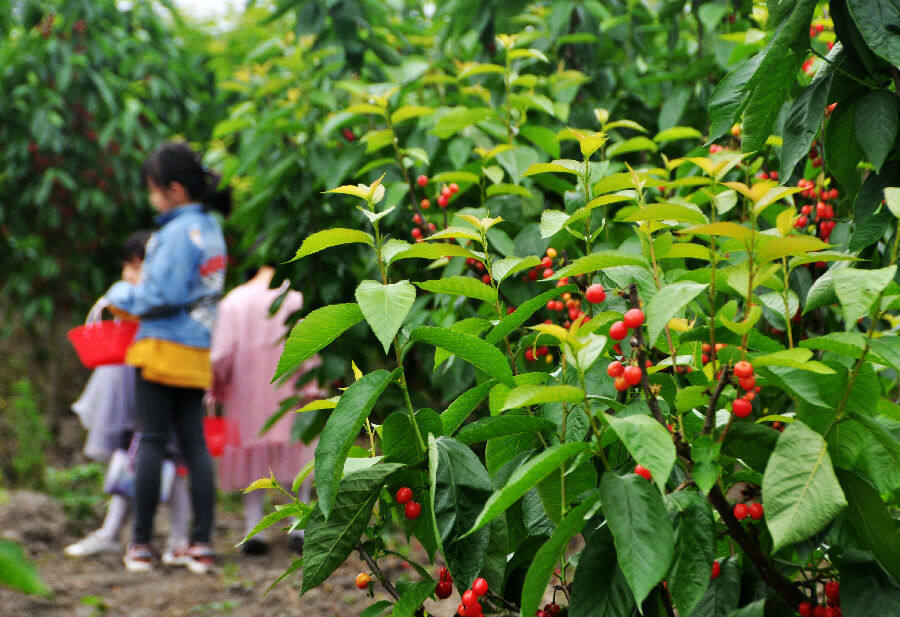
column 638, row 341
column 364, row 555
column 710, row 421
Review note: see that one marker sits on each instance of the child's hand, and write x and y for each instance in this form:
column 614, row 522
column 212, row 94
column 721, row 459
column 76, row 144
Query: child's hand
column 131, row 272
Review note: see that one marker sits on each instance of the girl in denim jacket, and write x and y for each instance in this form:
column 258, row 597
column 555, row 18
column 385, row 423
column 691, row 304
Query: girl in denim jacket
column 180, row 285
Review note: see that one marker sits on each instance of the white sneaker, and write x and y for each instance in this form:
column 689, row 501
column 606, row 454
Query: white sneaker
column 138, row 558
column 176, row 555
column 197, row 558
column 93, row 544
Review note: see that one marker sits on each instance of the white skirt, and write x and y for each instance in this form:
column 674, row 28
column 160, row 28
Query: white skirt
column 106, row 409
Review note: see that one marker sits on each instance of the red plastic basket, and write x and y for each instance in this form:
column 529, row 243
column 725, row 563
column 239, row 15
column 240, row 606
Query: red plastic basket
column 103, row 342
column 219, row 432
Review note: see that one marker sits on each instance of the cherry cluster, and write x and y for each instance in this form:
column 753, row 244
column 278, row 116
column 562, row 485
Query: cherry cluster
column 743, row 406
column 425, row 228
column 411, row 509
column 470, row 606
column 822, row 210
column 550, row 610
column 832, row 606
column 445, row 584
column 754, row 510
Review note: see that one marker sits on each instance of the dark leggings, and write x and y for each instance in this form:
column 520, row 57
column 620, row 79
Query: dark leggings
column 160, row 410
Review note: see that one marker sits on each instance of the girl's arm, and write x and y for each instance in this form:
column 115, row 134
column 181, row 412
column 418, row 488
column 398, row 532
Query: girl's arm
column 221, row 352
column 168, row 273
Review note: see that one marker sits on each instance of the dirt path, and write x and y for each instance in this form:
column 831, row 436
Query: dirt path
column 101, row 586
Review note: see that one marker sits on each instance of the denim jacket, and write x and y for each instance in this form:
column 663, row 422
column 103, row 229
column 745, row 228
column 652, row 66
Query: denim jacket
column 182, row 279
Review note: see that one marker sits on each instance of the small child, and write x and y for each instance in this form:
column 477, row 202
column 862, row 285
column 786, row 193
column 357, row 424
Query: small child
column 106, row 410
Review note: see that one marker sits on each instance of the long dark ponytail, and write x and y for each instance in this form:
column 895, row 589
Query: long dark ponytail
column 176, row 161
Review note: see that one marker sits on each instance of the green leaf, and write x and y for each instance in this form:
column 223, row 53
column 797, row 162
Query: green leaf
column 599, row 588
column 375, row 610
column 465, row 177
column 876, row 20
column 459, row 487
column 876, row 120
column 858, row 289
column 648, row 442
column 407, row 112
column 842, row 151
column 461, row 286
column 524, row 478
column 472, row 349
column 580, row 478
column 555, row 167
column 643, row 534
column 507, row 189
column 795, row 358
column 519, row 316
column 328, row 543
column 729, row 97
column 552, row 550
column 776, row 248
column 552, row 221
column 527, row 395
column 457, row 412
column 472, row 326
column 398, row 438
column 599, row 261
column 634, row 144
column 459, row 118
column 331, row 237
column 17, row 573
column 881, row 434
column 497, row 426
column 425, row 250
column 677, row 132
column 800, row 490
column 723, row 593
column 872, row 520
column 695, row 549
column 413, row 597
column 666, row 304
column 314, row 332
column 340, row 432
column 726, row 230
column 508, row 266
column 385, row 307
column 666, row 212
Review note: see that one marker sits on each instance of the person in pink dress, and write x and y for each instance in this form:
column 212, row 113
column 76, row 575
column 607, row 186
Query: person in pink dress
column 247, row 343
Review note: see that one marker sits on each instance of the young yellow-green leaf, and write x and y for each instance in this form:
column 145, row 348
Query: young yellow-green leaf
column 340, row 432
column 507, row 189
column 565, row 166
column 262, row 483
column 325, row 403
column 667, row 302
column 648, row 442
column 623, row 124
column 425, row 250
column 537, row 54
column 641, row 529
column 527, row 395
column 892, row 199
column 677, row 132
column 798, row 358
column 558, row 332
column 525, row 478
column 774, row 194
column 771, row 247
column 548, row 556
column 599, row 261
column 367, row 108
column 456, row 232
column 635, row 144
column 461, row 286
column 331, row 237
column 472, row 349
column 725, row 229
column 465, row 177
column 408, row 112
column 18, row 573
column 385, row 307
column 508, row 266
column 314, row 332
column 682, row 250
column 666, row 212
column 800, row 490
column 361, row 191
column 470, row 69
column 784, row 222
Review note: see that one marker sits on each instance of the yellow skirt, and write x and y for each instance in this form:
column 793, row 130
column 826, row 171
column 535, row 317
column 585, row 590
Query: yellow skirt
column 171, row 364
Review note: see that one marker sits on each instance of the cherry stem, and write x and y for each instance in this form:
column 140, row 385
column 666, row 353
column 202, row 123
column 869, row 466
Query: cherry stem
column 666, row 600
column 710, row 421
column 642, row 362
column 364, row 555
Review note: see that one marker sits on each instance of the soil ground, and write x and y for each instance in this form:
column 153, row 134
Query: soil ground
column 100, row 585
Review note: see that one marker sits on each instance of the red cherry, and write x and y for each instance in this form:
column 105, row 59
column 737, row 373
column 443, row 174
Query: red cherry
column 412, row 510
column 486, row 279
column 417, row 219
column 444, row 590
column 615, row 369
column 704, row 358
column 742, row 408
column 362, row 580
column 546, row 262
column 805, row 609
column 620, row 384
column 469, row 598
column 422, row 180
column 432, row 227
column 801, row 221
column 553, row 610
column 416, row 233
column 425, row 204
column 643, row 472
column 716, row 569
column 595, row 294
column 756, row 511
column 548, row 272
column 747, row 383
column 461, row 611
column 540, row 613
column 820, row 611
column 618, row 331
column 832, row 590
column 454, row 188
column 533, row 275
column 542, row 351
column 529, row 355
column 510, row 310
column 480, row 586
column 749, row 396
column 773, row 175
column 404, row 495
column 741, row 511
column 634, row 318
column 443, row 200
column 743, row 369
column 633, row 375
column 806, row 209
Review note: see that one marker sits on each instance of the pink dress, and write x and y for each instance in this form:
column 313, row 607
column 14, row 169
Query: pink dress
column 245, row 349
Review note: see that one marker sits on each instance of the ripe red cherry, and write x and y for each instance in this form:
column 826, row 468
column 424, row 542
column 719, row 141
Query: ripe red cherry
column 540, row 613
column 634, row 318
column 461, row 611
column 747, row 383
column 743, row 369
column 444, row 589
column 741, row 407
column 805, row 609
column 417, row 219
column 422, row 180
column 412, row 510
column 574, row 313
column 618, row 331
column 546, row 262
column 595, row 294
column 362, row 580
column 454, row 188
column 443, row 200
column 416, row 233
column 632, row 375
column 756, row 511
column 480, row 586
column 548, row 272
column 716, row 569
column 553, row 609
column 404, row 495
column 741, row 511
column 469, row 598
column 832, row 590
column 615, row 369
column 486, row 279
column 529, row 354
column 444, row 575
column 643, row 472
column 620, row 384
column 820, row 611
column 425, row 204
